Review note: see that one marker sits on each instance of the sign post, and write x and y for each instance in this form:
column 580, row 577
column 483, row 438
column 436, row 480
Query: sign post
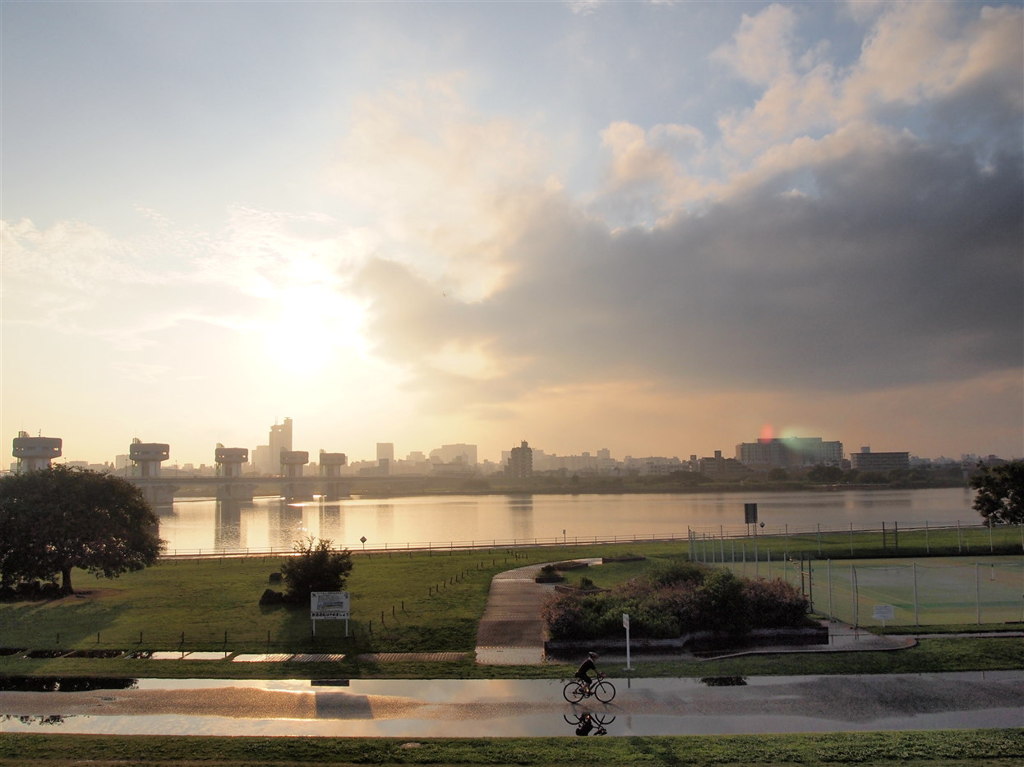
column 329, row 606
column 625, row 625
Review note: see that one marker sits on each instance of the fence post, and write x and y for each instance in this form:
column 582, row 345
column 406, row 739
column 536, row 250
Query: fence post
column 853, row 583
column 977, row 591
column 831, row 614
column 917, row 620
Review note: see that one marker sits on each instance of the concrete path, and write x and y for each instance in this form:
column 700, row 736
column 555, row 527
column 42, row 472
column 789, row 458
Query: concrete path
column 511, row 633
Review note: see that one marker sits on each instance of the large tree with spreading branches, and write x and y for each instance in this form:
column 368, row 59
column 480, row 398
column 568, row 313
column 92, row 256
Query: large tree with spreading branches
column 58, row 519
column 1000, row 498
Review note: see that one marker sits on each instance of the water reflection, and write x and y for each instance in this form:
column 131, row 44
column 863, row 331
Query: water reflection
column 228, row 530
column 65, row 683
column 589, row 724
column 204, row 525
column 723, row 681
column 31, row 720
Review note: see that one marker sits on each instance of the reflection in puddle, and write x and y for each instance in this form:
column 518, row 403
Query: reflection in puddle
column 723, row 681
column 588, row 723
column 35, row 720
column 65, row 683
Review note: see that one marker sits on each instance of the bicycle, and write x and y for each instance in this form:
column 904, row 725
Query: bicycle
column 602, row 689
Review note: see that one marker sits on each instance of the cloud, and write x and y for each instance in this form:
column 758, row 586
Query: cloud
column 823, row 246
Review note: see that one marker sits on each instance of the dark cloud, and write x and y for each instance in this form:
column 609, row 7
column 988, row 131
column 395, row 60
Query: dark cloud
column 896, row 266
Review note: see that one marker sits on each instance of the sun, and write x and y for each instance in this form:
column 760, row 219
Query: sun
column 311, row 324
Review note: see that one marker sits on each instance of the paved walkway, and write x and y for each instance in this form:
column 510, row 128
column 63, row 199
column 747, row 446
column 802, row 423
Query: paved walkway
column 511, row 632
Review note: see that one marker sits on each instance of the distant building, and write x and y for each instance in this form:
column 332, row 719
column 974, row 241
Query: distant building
column 267, row 458
column 653, row 465
column 454, row 454
column 789, row 453
column 882, row 463
column 520, row 461
column 723, row 469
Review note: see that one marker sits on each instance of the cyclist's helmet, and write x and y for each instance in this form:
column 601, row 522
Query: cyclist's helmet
column 592, row 655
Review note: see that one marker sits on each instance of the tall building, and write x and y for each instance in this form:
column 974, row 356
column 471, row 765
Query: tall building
column 789, row 453
column 280, row 442
column 386, row 451
column 520, row 461
column 267, row 458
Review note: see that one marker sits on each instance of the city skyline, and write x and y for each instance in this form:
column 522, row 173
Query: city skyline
column 422, row 453
column 669, row 227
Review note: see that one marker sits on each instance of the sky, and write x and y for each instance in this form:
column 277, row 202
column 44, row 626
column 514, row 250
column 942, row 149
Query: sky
column 661, row 228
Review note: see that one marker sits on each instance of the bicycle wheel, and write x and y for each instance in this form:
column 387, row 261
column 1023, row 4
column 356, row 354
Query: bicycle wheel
column 573, row 692
column 604, row 691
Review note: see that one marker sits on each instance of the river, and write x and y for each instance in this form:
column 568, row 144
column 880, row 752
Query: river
column 194, row 526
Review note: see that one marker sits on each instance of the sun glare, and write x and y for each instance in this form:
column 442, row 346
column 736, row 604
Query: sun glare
column 311, row 324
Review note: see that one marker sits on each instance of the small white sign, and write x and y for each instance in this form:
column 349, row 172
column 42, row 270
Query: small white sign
column 625, row 620
column 884, row 612
column 328, row 605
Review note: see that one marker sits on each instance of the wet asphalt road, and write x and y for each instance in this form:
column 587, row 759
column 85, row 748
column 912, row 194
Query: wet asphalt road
column 505, row 708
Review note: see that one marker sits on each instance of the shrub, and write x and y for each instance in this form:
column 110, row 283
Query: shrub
column 676, row 601
column 774, row 604
column 316, row 567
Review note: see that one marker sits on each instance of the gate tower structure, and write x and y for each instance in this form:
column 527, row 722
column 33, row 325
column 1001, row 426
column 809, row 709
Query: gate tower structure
column 35, row 453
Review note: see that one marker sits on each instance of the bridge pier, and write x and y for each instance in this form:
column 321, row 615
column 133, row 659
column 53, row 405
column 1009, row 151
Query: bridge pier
column 292, row 462
column 229, row 466
column 330, row 470
column 147, row 457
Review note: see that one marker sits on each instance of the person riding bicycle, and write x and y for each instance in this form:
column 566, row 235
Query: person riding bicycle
column 583, row 672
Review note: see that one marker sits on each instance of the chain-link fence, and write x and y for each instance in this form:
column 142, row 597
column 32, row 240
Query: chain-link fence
column 901, row 592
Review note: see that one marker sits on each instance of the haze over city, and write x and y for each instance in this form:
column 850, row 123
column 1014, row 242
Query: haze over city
column 658, row 228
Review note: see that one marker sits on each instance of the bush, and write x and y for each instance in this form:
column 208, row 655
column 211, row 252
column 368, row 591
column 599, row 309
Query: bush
column 316, row 567
column 674, row 601
column 773, row 604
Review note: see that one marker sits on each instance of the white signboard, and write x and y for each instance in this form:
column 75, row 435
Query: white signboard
column 328, row 605
column 884, row 612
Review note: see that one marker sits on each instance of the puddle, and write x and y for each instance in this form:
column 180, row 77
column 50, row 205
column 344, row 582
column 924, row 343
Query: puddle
column 422, row 708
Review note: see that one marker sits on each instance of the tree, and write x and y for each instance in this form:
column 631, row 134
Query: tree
column 57, row 519
column 315, row 567
column 1000, row 498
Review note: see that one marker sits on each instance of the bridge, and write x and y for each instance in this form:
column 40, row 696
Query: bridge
column 161, row 490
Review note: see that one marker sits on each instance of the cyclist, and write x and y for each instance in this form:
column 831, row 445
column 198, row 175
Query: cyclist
column 583, row 672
